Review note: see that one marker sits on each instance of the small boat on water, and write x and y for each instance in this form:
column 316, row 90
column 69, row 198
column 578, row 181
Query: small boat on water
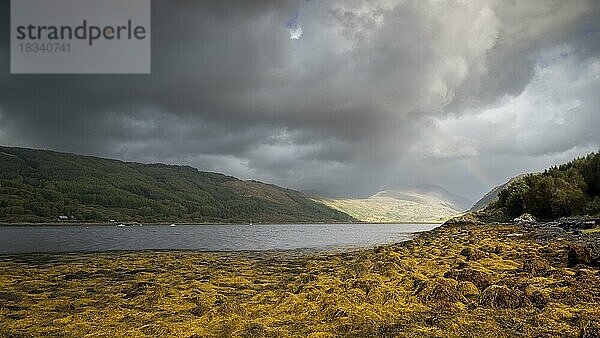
column 121, row 225
column 172, row 224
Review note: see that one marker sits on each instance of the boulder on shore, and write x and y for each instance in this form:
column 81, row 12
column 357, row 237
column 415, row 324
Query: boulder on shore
column 525, row 219
column 468, row 218
column 583, row 253
column 575, row 223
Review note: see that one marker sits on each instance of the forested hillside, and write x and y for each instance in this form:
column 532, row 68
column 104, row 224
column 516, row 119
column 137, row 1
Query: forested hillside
column 492, row 195
column 567, row 190
column 40, row 186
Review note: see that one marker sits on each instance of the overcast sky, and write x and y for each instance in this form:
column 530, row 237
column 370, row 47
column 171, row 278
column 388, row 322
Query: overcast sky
column 342, row 97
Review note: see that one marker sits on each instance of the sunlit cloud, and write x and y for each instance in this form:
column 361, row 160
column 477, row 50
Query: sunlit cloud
column 294, row 28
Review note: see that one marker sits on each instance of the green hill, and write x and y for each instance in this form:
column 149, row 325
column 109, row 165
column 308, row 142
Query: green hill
column 570, row 189
column 492, row 195
column 40, row 186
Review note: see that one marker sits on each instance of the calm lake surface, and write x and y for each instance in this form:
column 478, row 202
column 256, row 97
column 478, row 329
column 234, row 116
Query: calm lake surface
column 29, row 239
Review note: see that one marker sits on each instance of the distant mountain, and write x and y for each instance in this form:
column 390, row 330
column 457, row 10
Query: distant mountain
column 492, row 195
column 40, row 186
column 458, row 202
column 414, row 205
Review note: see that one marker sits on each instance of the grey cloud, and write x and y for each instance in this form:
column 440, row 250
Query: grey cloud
column 347, row 108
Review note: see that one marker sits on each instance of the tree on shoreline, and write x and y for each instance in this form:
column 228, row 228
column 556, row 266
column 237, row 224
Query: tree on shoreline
column 566, row 190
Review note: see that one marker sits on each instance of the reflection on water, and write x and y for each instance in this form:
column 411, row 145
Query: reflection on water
column 202, row 237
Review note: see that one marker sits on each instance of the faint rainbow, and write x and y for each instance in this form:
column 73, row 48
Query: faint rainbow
column 477, row 171
column 468, row 163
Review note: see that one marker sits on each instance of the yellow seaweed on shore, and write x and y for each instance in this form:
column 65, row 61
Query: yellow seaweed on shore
column 456, row 281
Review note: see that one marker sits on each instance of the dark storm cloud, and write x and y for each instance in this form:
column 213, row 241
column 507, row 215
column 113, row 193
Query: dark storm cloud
column 510, row 63
column 347, row 97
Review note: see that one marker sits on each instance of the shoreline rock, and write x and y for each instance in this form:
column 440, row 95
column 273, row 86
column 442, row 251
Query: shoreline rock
column 525, row 220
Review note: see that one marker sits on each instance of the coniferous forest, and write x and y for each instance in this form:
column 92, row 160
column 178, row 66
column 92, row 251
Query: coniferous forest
column 569, row 189
column 40, row 186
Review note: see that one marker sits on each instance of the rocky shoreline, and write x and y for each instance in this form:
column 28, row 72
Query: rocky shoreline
column 462, row 279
